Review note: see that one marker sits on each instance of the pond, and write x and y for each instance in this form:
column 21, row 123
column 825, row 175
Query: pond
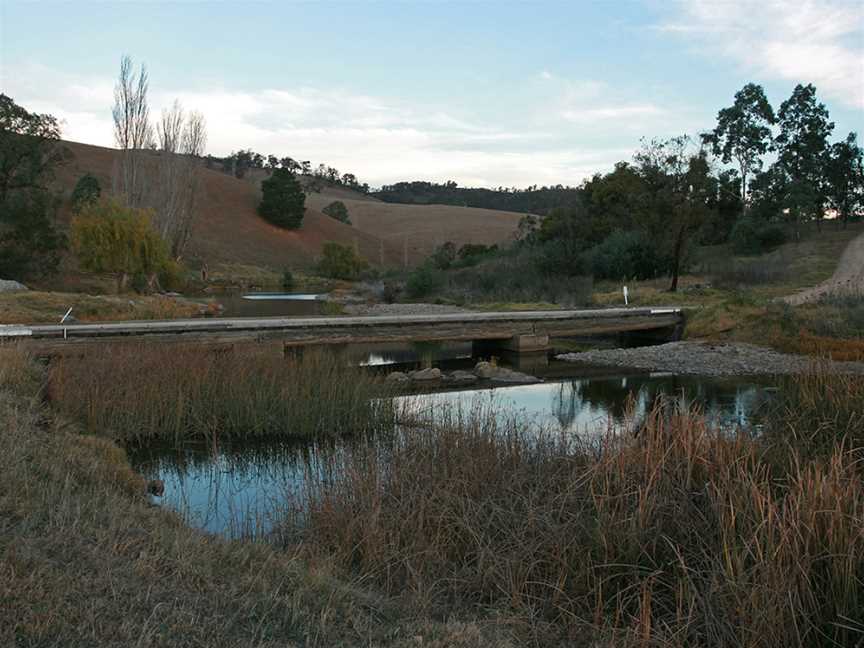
column 240, row 489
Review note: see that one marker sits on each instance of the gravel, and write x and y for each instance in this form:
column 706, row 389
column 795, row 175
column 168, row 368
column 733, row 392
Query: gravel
column 8, row 285
column 705, row 359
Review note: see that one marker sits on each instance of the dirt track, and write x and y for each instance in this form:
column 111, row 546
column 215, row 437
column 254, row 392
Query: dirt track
column 848, row 278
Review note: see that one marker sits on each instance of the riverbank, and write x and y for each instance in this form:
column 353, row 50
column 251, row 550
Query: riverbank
column 87, row 560
column 706, row 359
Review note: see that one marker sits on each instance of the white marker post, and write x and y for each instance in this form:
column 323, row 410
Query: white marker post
column 626, row 296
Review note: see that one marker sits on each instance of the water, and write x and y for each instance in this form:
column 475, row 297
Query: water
column 267, row 304
column 239, row 489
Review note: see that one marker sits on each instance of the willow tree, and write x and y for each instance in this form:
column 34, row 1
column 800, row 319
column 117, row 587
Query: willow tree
column 112, row 238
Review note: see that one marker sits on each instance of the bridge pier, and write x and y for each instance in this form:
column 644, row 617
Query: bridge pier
column 527, row 343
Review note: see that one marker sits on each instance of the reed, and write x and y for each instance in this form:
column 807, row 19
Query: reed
column 682, row 536
column 136, row 393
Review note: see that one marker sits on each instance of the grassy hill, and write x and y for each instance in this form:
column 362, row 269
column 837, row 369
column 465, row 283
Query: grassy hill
column 228, row 230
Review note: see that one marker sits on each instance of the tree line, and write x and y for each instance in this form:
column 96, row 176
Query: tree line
column 239, row 163
column 533, row 199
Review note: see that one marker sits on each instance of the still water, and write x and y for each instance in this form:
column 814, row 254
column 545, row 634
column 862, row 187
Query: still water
column 267, row 304
column 238, row 489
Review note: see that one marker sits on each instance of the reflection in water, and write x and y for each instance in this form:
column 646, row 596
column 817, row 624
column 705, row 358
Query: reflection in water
column 238, row 489
column 262, row 304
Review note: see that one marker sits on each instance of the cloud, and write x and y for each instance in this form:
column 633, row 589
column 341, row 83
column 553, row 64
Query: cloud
column 797, row 40
column 570, row 131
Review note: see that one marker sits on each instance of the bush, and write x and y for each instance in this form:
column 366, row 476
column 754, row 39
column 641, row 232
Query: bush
column 626, row 255
column 86, row 192
column 444, row 255
column 750, row 236
column 341, row 262
column 283, row 202
column 472, row 253
column 424, row 281
column 287, row 279
column 337, row 210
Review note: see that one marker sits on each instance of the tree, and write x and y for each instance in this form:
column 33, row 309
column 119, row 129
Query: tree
column 680, row 189
column 87, row 190
column 283, row 201
column 29, row 153
column 444, row 255
column 743, row 132
column 182, row 138
column 108, row 237
column 844, row 178
column 340, row 262
column 801, row 152
column 337, row 210
column 133, row 132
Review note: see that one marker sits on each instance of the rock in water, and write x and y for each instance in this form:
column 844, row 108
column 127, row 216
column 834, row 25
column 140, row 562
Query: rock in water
column 426, row 374
column 494, row 373
column 460, row 378
column 156, row 487
column 397, row 376
column 7, row 285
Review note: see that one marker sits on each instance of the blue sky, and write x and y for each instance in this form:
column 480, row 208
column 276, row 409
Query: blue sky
column 485, row 93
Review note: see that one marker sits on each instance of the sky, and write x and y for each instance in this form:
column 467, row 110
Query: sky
column 484, row 93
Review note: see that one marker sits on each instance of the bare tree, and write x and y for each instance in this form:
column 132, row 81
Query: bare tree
column 132, row 129
column 181, row 140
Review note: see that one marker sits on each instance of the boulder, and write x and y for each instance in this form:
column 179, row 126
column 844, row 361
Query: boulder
column 488, row 371
column 397, row 377
column 8, row 285
column 484, row 369
column 425, row 374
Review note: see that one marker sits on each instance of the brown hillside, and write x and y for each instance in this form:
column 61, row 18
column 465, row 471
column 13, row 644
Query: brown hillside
column 228, row 230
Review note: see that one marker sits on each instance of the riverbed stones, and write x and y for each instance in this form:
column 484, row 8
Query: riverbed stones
column 705, row 359
column 8, row 285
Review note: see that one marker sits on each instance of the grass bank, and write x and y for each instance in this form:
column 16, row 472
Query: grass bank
column 36, row 307
column 683, row 536
column 85, row 560
column 138, row 392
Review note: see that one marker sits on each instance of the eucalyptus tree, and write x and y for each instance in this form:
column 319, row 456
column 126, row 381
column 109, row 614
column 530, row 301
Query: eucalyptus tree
column 802, row 147
column 844, row 178
column 743, row 133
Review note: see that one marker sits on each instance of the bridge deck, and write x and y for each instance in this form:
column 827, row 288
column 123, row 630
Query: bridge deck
column 339, row 330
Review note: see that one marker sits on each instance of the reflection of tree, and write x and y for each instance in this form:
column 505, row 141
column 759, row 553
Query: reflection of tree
column 567, row 403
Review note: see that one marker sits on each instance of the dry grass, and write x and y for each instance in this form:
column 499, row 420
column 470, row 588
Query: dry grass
column 683, row 536
column 138, row 392
column 85, row 560
column 33, row 307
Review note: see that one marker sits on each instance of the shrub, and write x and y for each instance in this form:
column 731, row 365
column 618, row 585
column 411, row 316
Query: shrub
column 626, row 255
column 750, row 236
column 341, row 262
column 472, row 253
column 283, row 202
column 425, row 280
column 86, row 192
column 287, row 279
column 444, row 255
column 337, row 210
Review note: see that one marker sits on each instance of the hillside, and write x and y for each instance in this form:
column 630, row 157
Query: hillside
column 228, row 230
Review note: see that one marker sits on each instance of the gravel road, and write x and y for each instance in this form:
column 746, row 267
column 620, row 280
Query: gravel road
column 848, row 278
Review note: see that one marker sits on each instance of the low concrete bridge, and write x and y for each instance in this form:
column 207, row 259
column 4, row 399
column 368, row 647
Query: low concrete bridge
column 524, row 331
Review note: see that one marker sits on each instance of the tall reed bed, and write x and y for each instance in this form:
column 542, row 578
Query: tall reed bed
column 683, row 535
column 136, row 393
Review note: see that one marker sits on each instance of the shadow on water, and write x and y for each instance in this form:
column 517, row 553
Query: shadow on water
column 239, row 489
